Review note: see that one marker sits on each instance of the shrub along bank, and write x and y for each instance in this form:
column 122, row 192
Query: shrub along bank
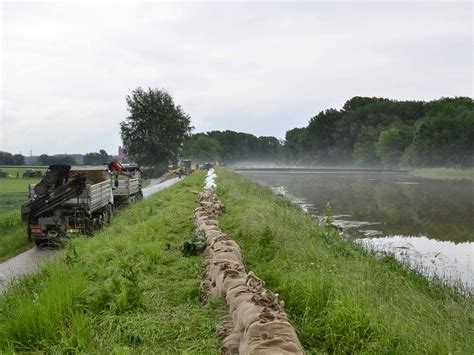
column 340, row 298
column 126, row 290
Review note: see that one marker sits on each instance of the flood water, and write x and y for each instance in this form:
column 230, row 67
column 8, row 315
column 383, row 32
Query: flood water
column 427, row 224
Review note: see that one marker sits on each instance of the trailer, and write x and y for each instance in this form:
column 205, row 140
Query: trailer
column 68, row 200
column 127, row 186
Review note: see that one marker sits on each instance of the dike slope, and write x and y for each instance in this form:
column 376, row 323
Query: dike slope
column 340, row 298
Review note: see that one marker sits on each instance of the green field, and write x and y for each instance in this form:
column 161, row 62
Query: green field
column 444, row 174
column 14, row 170
column 13, row 238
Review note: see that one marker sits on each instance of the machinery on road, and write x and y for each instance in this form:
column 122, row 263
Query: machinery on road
column 77, row 199
column 127, row 187
column 32, row 173
column 185, row 166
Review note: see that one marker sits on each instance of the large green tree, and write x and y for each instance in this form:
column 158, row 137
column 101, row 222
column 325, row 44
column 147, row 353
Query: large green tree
column 156, row 128
column 203, row 149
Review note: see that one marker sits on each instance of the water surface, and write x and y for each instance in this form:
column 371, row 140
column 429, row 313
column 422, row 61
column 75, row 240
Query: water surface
column 428, row 224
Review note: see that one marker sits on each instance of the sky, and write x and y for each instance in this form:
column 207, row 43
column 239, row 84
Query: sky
column 257, row 67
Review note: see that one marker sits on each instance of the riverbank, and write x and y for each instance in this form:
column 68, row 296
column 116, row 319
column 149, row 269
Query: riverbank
column 444, row 174
column 338, row 297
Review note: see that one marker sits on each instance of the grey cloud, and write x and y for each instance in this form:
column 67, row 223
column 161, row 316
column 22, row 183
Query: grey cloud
column 261, row 68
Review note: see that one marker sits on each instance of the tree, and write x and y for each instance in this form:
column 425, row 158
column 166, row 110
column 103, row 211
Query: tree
column 6, row 158
column 45, row 159
column 104, row 157
column 154, row 132
column 202, row 148
column 18, row 159
column 393, row 142
column 97, row 158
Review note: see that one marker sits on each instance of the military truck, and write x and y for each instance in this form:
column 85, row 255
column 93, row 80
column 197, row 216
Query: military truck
column 68, row 200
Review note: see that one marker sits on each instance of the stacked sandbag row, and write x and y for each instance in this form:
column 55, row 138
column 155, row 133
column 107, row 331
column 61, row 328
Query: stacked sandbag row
column 256, row 323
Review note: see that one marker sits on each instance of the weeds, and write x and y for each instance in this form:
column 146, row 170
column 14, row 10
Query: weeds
column 194, row 244
column 13, row 238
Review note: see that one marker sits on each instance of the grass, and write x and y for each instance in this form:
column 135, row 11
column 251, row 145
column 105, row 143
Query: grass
column 444, row 174
column 127, row 290
column 340, row 298
column 13, row 238
column 14, row 170
column 16, row 185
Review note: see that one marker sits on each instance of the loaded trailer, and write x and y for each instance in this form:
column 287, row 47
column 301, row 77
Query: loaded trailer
column 127, row 186
column 68, row 200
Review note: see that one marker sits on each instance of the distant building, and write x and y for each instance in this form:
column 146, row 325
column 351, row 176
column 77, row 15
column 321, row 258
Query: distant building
column 122, row 154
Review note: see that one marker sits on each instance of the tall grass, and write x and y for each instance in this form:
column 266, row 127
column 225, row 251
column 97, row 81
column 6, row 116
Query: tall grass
column 128, row 289
column 13, row 237
column 340, row 298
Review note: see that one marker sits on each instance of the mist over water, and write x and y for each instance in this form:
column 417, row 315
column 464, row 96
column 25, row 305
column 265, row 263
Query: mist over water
column 427, row 224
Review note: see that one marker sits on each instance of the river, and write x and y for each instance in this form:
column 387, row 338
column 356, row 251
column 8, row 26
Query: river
column 426, row 224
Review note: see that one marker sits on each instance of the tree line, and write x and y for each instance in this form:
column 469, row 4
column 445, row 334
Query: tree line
column 92, row 158
column 231, row 147
column 365, row 132
column 377, row 131
column 7, row 158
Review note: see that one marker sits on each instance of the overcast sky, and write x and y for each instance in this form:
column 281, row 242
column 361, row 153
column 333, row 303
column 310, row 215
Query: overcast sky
column 262, row 68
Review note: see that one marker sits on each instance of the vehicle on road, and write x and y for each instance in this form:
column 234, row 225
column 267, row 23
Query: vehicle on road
column 77, row 199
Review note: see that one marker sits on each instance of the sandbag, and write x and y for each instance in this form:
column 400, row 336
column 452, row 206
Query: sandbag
column 230, row 344
column 256, row 323
column 275, row 337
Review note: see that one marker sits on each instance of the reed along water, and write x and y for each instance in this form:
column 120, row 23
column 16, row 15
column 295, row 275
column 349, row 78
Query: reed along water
column 426, row 224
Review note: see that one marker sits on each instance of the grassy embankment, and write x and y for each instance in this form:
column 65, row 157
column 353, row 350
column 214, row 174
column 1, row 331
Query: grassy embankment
column 444, row 173
column 129, row 290
column 340, row 298
column 13, row 238
column 126, row 290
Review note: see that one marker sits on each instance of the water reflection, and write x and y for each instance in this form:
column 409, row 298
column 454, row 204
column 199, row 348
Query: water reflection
column 412, row 218
column 452, row 263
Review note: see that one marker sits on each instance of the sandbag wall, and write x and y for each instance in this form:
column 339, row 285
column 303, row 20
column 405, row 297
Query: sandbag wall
column 256, row 323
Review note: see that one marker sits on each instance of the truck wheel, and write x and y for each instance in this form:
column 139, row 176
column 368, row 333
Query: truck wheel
column 40, row 242
column 88, row 226
column 109, row 213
